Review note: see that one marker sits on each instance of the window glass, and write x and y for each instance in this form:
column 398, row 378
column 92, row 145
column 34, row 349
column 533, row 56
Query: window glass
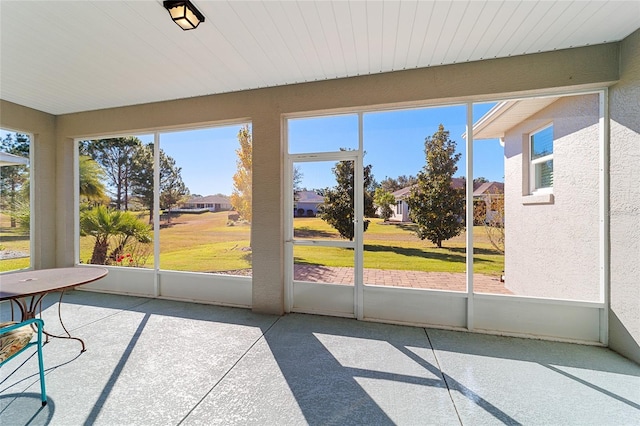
column 544, row 174
column 204, row 196
column 206, row 200
column 489, row 189
column 15, row 205
column 415, row 235
column 542, row 159
column 547, row 252
column 116, row 201
column 314, row 180
column 323, row 134
column 542, row 143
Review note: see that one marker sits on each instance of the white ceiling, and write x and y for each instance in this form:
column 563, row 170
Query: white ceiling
column 69, row 56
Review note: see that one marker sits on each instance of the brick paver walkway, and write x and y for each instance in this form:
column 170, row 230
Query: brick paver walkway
column 397, row 278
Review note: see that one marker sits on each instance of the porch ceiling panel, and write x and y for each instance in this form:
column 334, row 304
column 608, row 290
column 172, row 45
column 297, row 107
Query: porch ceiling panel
column 69, row 56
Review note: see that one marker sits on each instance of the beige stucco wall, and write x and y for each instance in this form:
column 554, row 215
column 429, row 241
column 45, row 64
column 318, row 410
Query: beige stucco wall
column 624, row 101
column 43, row 171
column 552, row 250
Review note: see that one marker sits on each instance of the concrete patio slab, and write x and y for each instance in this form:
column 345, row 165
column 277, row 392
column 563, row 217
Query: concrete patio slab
column 320, row 370
column 523, row 381
column 160, row 362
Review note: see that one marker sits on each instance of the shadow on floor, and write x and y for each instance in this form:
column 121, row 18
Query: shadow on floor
column 152, row 361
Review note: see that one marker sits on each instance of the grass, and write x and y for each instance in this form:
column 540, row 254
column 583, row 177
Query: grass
column 13, row 239
column 206, row 243
column 395, row 246
column 14, row 264
column 199, row 242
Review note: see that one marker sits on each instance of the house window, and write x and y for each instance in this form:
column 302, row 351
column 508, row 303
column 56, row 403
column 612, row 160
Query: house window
column 541, row 160
column 399, row 207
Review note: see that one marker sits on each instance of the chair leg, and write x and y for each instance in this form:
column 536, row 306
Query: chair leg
column 43, row 391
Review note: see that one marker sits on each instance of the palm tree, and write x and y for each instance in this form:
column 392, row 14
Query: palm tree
column 92, row 178
column 103, row 224
column 130, row 228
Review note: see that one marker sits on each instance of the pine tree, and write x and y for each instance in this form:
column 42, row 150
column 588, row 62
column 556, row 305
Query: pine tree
column 338, row 208
column 114, row 156
column 172, row 188
column 434, row 204
column 173, row 191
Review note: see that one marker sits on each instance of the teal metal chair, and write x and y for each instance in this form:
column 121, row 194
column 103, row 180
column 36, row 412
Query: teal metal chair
column 15, row 338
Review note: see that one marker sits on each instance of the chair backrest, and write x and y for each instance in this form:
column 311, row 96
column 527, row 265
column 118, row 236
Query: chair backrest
column 14, row 337
column 17, row 337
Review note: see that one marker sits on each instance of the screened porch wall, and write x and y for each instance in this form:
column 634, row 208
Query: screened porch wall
column 553, row 72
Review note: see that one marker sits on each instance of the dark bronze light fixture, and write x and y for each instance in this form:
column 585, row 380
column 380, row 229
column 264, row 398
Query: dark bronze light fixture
column 184, row 14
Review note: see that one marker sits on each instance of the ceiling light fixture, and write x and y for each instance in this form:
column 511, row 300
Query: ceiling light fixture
column 184, row 13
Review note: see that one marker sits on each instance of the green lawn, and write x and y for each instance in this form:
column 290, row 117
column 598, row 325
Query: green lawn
column 196, row 242
column 15, row 240
column 206, row 243
column 395, row 246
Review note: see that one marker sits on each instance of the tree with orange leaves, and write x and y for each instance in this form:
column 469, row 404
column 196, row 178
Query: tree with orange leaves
column 242, row 180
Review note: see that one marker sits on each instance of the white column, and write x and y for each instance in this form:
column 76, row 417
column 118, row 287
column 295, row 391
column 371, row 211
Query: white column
column 156, row 214
column 469, row 216
column 604, row 129
column 358, row 192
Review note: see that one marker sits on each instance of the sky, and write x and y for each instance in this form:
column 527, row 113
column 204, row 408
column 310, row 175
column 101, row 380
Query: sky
column 393, row 143
column 207, row 157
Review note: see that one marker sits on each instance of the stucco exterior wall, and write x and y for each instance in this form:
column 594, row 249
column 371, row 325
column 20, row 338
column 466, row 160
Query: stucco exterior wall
column 624, row 168
column 400, row 212
column 552, row 250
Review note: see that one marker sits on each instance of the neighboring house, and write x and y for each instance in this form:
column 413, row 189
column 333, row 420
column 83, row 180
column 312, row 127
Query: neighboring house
column 489, row 193
column 481, row 191
column 307, row 203
column 552, row 229
column 401, row 209
column 213, row 203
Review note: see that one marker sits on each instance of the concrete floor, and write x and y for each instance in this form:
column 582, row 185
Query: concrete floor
column 158, row 362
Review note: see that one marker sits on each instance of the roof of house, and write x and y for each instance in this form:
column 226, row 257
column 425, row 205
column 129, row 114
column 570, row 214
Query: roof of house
column 489, row 188
column 210, row 199
column 459, row 183
column 505, row 115
column 402, row 193
column 309, row 197
column 7, row 159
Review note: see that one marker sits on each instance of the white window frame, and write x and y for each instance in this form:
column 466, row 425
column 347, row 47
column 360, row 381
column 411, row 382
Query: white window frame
column 534, row 162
